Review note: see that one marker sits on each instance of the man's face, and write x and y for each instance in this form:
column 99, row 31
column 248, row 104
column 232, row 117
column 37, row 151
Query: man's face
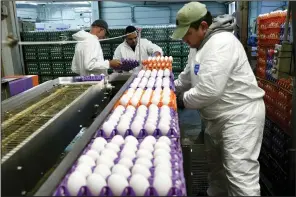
column 99, row 32
column 132, row 39
column 194, row 37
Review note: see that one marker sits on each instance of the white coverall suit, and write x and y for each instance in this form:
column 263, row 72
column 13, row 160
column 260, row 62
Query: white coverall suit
column 219, row 81
column 88, row 58
column 147, row 49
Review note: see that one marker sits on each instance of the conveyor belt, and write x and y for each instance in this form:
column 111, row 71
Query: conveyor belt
column 22, row 122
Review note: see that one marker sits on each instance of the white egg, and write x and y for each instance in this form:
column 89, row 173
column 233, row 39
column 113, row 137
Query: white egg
column 118, row 139
column 166, row 100
column 142, row 108
column 100, row 140
column 131, row 139
column 166, row 89
column 153, row 107
column 151, row 122
column 147, row 73
column 162, row 160
column 145, row 162
column 165, row 108
column 162, row 183
column 144, row 153
column 164, row 114
column 87, row 160
column 108, row 128
column 103, row 170
column 93, row 154
column 167, row 72
column 129, row 95
column 145, row 101
column 104, row 159
column 128, row 154
column 136, row 128
column 163, row 168
column 162, row 145
column 166, row 58
column 153, row 73
column 112, row 146
column 149, row 139
column 140, row 184
column 75, row 182
column 130, row 108
column 157, row 58
column 121, row 169
column 135, row 101
column 114, row 118
column 146, row 146
column 139, row 119
column 110, row 153
column 95, row 184
column 155, row 100
column 170, row 58
column 131, row 89
column 134, row 85
column 141, row 169
column 160, row 73
column 158, row 90
column 165, row 139
column 84, row 169
column 142, row 85
column 122, row 127
column 163, row 153
column 150, row 128
column 130, row 147
column 164, row 128
column 141, row 73
column 117, row 184
column 128, row 163
column 158, row 84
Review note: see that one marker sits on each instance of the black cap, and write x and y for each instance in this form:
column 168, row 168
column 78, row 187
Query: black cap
column 101, row 23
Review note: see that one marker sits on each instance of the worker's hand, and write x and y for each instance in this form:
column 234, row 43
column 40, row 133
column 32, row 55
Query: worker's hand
column 156, row 54
column 114, row 63
column 180, row 102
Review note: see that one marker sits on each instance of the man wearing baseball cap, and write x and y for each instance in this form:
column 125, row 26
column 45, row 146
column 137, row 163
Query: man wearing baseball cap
column 88, row 58
column 219, row 81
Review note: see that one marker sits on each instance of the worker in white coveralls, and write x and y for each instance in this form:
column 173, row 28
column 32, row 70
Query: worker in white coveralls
column 219, row 81
column 88, row 58
column 129, row 49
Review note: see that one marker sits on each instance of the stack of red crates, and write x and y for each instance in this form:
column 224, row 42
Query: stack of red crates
column 268, row 33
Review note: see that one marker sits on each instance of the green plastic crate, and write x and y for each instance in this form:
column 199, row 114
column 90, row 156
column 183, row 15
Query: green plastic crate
column 30, row 49
column 60, row 65
column 185, row 49
column 56, row 56
column 163, row 46
column 58, row 71
column 30, row 56
column 160, row 34
column 175, row 48
column 43, row 56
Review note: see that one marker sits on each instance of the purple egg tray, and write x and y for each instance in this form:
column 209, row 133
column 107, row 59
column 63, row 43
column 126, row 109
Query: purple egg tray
column 127, row 65
column 178, row 179
column 88, row 78
column 173, row 132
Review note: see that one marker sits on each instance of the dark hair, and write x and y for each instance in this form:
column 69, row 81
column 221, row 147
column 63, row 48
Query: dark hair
column 130, row 29
column 207, row 18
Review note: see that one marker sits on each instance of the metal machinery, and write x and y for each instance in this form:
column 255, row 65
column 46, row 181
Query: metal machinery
column 41, row 122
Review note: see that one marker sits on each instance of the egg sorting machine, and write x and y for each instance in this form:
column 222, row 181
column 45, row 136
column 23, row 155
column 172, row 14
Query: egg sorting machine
column 39, row 124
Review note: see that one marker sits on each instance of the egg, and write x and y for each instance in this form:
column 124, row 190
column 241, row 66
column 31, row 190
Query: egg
column 130, row 108
column 122, row 127
column 117, row 184
column 164, row 128
column 147, row 146
column 112, row 146
column 147, row 73
column 166, row 89
column 137, row 79
column 120, row 108
column 84, row 169
column 149, row 139
column 145, row 101
column 87, row 160
column 145, row 162
column 128, row 154
column 100, row 140
column 122, row 170
column 134, row 85
column 150, row 128
column 151, row 122
column 162, row 183
column 136, row 128
column 162, row 160
column 95, row 183
column 110, row 153
column 167, row 72
column 163, row 153
column 114, row 118
column 130, row 147
column 128, row 163
column 165, row 108
column 162, row 145
column 118, row 139
column 103, row 170
column 153, row 107
column 160, row 73
column 144, row 153
column 135, row 101
column 140, row 119
column 129, row 95
column 108, row 128
column 140, row 184
column 158, row 84
column 163, row 168
column 170, row 58
column 142, row 85
column 166, row 58
column 166, row 100
column 141, row 169
column 141, row 73
column 131, row 139
column 157, row 58
column 104, row 159
column 93, row 154
column 165, row 139
column 155, row 100
column 75, row 181
column 164, row 114
column 150, row 84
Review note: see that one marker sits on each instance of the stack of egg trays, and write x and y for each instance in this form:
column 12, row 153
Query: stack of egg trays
column 174, row 131
column 172, row 84
column 88, row 78
column 178, row 178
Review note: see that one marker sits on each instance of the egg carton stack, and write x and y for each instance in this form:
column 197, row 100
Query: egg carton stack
column 127, row 167
column 141, row 122
column 89, row 78
column 127, row 65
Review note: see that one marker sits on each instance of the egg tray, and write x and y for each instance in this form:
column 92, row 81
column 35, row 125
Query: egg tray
column 88, row 78
column 171, row 86
column 127, row 65
column 172, row 133
column 178, row 179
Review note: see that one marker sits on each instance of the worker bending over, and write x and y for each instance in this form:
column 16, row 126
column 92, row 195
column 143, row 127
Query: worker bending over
column 129, row 49
column 219, row 81
column 88, row 58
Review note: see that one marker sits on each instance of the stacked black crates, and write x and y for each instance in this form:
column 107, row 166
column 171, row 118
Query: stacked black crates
column 54, row 60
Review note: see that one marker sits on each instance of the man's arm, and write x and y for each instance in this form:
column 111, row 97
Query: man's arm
column 219, row 62
column 153, row 49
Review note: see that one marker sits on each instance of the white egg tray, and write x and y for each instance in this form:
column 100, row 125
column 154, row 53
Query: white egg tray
column 157, row 130
column 144, row 175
